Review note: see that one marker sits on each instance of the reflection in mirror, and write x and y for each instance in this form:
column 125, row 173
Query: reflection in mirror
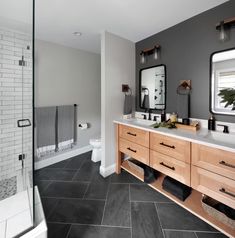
column 152, row 87
column 223, row 82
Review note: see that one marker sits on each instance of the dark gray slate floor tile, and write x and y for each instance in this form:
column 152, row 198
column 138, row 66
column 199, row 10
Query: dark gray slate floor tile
column 75, row 162
column 142, row 192
column 83, row 231
column 117, row 209
column 124, row 177
column 97, row 191
column 98, row 178
column 210, row 235
column 55, row 174
column 42, row 185
column 173, row 216
column 59, row 165
column 145, row 222
column 78, row 211
column 66, row 189
column 56, row 230
column 49, row 205
column 179, row 234
column 87, row 171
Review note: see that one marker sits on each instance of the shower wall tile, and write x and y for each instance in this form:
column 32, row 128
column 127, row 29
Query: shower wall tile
column 14, row 101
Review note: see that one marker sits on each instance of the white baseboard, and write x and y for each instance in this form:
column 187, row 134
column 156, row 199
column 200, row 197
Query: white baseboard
column 60, row 156
column 105, row 172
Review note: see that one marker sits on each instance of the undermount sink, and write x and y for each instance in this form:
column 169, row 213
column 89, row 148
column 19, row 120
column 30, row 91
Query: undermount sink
column 221, row 137
column 143, row 122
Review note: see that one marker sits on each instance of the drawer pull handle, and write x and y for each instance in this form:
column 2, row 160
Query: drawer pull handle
column 169, row 167
column 222, row 190
column 131, row 134
column 227, row 164
column 170, row 146
column 131, row 150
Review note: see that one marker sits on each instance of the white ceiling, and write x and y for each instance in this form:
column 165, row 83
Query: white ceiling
column 135, row 20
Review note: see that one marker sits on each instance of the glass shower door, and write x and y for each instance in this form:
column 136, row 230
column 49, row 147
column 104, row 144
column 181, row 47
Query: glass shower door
column 16, row 118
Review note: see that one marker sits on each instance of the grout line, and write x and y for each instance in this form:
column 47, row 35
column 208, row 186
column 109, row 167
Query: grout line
column 96, row 225
column 195, row 234
column 88, row 185
column 106, row 198
column 130, row 210
column 71, row 198
column 159, row 220
column 69, row 231
column 151, row 202
column 5, row 228
column 211, row 232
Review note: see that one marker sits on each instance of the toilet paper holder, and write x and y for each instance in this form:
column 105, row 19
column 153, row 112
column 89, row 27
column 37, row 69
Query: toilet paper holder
column 83, row 126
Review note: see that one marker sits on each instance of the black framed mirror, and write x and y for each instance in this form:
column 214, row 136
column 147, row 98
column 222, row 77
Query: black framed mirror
column 153, row 87
column 222, row 82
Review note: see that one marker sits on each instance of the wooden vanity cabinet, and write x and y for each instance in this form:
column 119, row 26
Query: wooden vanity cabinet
column 215, row 160
column 213, row 173
column 176, row 148
column 171, row 156
column 134, row 143
column 206, row 169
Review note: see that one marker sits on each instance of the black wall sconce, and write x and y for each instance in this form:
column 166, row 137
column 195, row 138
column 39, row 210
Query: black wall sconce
column 155, row 52
column 224, row 28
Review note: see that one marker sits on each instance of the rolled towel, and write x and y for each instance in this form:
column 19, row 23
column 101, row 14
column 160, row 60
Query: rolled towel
column 176, row 188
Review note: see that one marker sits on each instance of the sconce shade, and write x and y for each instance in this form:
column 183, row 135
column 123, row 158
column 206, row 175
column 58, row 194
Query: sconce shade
column 224, row 28
column 155, row 53
column 223, row 32
column 142, row 57
column 152, row 51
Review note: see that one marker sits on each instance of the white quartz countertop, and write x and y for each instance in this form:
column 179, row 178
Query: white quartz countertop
column 199, row 137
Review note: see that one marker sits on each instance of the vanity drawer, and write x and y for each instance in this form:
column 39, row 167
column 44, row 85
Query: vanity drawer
column 176, row 148
column 135, row 151
column 174, row 168
column 138, row 136
column 214, row 185
column 215, row 160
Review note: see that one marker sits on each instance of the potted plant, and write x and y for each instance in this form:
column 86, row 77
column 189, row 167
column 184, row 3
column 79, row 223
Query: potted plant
column 228, row 97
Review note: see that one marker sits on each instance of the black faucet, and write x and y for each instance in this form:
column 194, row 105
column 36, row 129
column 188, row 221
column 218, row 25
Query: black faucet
column 225, row 128
column 149, row 111
column 144, row 116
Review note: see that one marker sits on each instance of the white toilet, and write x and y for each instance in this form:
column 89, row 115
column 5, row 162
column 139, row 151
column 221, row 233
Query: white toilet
column 96, row 153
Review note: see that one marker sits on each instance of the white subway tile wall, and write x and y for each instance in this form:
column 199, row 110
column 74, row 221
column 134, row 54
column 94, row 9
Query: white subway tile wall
column 15, row 101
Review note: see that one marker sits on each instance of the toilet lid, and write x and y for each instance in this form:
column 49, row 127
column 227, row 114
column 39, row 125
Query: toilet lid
column 96, row 140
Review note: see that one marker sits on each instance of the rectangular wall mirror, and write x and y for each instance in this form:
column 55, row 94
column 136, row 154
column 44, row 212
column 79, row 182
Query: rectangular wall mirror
column 222, row 82
column 153, row 87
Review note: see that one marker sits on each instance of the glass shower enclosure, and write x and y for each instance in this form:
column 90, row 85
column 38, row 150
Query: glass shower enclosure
column 16, row 117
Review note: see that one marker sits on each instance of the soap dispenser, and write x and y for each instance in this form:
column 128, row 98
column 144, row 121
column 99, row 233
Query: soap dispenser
column 211, row 123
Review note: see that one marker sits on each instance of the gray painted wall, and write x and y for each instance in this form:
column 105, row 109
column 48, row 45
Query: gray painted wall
column 186, row 50
column 66, row 76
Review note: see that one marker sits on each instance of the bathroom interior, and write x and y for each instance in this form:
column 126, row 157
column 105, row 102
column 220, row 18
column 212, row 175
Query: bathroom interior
column 117, row 122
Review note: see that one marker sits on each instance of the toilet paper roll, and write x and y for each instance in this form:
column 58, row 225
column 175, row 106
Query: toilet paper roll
column 83, row 126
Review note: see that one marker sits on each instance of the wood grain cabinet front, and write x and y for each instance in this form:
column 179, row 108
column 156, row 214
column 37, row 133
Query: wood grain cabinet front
column 215, row 160
column 214, row 185
column 134, row 150
column 174, row 168
column 174, row 147
column 135, row 135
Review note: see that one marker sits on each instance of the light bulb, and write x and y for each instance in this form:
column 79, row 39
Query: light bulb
column 142, row 57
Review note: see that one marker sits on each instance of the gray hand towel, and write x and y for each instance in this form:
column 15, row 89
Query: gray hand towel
column 65, row 123
column 183, row 105
column 127, row 104
column 45, row 126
